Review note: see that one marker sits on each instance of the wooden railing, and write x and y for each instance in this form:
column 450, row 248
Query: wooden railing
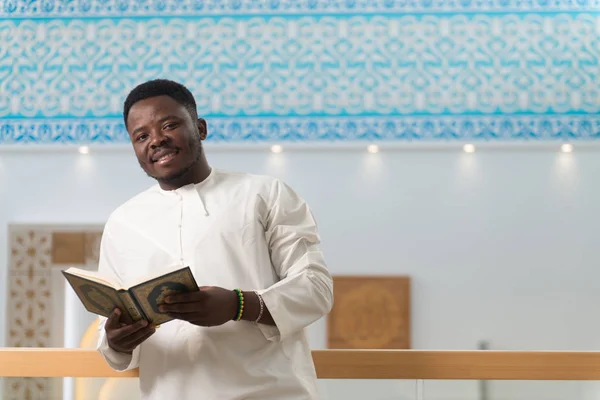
column 346, row 364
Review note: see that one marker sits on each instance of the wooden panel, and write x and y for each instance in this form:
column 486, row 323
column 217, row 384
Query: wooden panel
column 33, row 362
column 346, row 364
column 456, row 365
column 370, row 313
column 68, row 248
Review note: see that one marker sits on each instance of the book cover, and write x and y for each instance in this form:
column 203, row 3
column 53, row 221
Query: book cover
column 149, row 295
column 96, row 298
column 137, row 302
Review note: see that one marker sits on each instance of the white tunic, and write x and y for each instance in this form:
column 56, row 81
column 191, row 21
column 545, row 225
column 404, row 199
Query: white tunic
column 235, row 231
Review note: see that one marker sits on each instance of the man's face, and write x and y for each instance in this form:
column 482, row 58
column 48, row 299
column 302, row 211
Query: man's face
column 165, row 137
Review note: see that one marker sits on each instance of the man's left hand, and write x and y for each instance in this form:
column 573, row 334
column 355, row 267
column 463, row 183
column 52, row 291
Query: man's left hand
column 211, row 306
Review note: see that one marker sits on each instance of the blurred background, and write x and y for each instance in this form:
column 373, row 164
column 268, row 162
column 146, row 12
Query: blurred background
column 448, row 147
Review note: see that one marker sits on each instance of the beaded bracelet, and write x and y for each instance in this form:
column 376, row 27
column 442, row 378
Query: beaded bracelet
column 240, row 312
column 262, row 307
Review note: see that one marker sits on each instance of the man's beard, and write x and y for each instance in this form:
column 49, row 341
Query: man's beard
column 174, row 177
column 196, row 145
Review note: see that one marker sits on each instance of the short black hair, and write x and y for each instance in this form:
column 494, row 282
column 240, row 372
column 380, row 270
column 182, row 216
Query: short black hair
column 161, row 87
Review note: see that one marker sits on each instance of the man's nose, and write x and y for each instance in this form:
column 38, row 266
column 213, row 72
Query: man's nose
column 158, row 139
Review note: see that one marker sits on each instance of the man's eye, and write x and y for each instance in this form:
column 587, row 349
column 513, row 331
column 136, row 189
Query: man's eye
column 141, row 137
column 171, row 125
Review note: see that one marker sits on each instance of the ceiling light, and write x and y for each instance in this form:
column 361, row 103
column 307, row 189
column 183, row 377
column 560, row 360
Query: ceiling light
column 373, row 148
column 566, row 148
column 469, row 148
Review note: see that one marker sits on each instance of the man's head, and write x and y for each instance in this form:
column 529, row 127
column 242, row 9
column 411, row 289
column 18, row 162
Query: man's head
column 165, row 131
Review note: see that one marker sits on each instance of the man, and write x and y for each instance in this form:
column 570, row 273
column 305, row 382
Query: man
column 235, row 231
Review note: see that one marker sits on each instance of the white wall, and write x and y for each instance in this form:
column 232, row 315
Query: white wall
column 501, row 245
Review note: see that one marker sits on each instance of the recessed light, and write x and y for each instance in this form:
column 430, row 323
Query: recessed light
column 373, row 148
column 84, row 150
column 276, row 148
column 469, row 148
column 566, row 148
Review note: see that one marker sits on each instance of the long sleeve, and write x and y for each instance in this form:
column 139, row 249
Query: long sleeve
column 117, row 361
column 304, row 293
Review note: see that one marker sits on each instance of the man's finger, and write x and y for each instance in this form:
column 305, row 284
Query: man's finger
column 138, row 337
column 183, row 297
column 126, row 318
column 179, row 308
column 113, row 320
column 125, row 331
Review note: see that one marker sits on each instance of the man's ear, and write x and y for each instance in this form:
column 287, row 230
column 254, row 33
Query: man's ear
column 202, row 128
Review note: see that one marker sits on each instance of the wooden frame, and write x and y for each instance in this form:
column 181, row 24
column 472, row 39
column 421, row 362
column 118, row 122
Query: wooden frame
column 35, row 287
column 346, row 364
column 370, row 312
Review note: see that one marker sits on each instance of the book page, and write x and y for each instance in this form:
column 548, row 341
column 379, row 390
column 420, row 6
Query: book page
column 93, row 276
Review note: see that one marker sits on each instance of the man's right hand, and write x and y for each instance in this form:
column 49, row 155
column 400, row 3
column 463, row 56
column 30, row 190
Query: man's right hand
column 123, row 337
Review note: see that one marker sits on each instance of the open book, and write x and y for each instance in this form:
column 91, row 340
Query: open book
column 139, row 300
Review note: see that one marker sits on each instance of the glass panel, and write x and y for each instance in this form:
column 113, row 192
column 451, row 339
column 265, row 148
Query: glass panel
column 371, row 389
column 510, row 390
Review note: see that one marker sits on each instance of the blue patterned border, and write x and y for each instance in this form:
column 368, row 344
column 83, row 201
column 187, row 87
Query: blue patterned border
column 322, row 130
column 309, row 66
column 120, row 8
column 306, row 70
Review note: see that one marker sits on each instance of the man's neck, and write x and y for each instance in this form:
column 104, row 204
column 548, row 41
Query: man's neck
column 196, row 174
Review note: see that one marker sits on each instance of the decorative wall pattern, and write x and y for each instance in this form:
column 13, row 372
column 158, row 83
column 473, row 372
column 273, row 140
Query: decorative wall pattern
column 292, row 70
column 34, row 253
column 410, row 128
column 53, row 8
column 370, row 312
column 29, row 311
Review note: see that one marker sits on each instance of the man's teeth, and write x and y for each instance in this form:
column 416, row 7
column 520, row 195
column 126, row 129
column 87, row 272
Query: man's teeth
column 169, row 155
